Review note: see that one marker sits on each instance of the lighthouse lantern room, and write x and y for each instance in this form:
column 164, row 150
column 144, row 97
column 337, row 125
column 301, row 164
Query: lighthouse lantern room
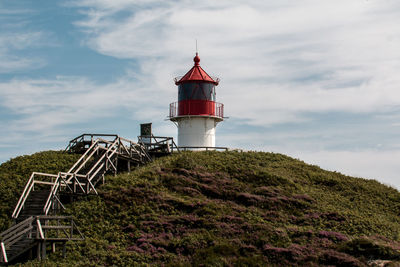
column 196, row 113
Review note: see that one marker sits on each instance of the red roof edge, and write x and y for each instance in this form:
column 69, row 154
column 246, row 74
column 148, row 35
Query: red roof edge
column 196, row 73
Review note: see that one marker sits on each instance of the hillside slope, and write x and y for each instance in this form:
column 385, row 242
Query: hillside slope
column 231, row 208
column 15, row 173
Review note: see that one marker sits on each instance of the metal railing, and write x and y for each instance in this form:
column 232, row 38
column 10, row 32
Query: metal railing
column 214, row 109
column 173, row 110
column 203, row 148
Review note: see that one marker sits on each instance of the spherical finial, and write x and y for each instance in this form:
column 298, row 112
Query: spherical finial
column 196, row 59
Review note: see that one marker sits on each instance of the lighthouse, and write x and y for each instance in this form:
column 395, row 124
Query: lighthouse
column 196, row 113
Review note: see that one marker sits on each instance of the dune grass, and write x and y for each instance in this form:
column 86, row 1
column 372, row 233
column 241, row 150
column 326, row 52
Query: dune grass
column 224, row 209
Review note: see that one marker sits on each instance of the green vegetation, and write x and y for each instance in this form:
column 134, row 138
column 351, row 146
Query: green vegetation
column 222, row 209
column 15, row 173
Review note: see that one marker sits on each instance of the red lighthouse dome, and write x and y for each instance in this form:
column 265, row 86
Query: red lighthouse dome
column 196, row 94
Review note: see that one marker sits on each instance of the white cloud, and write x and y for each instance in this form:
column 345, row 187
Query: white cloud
column 378, row 165
column 278, row 59
column 46, row 104
column 46, row 113
column 279, row 62
column 10, row 43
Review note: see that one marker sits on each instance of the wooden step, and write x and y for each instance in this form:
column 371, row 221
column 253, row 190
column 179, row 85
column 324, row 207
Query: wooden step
column 19, row 248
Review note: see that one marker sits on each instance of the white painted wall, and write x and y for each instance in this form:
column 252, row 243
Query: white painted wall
column 196, row 131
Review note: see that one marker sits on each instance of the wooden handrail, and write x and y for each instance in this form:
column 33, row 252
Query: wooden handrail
column 56, row 186
column 18, row 236
column 3, row 252
column 53, row 191
column 61, row 223
column 83, row 156
column 97, row 163
column 28, row 188
column 82, row 137
column 13, row 235
column 52, row 228
column 23, row 197
column 7, row 232
column 87, row 159
column 165, row 140
column 110, row 148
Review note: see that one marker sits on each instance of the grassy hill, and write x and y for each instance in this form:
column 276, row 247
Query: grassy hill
column 15, row 173
column 222, row 209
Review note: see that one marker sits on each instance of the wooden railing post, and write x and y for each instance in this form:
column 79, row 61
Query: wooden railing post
column 72, row 228
column 87, row 184
column 38, row 251
column 43, row 256
column 64, row 251
column 39, row 234
column 3, row 252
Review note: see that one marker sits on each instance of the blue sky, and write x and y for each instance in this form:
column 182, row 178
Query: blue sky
column 317, row 80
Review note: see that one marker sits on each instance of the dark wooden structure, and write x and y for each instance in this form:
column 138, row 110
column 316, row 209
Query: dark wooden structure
column 158, row 146
column 37, row 232
column 36, row 224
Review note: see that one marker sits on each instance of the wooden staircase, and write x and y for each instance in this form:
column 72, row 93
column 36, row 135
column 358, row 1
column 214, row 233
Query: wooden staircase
column 34, row 204
column 37, row 231
column 42, row 193
column 16, row 241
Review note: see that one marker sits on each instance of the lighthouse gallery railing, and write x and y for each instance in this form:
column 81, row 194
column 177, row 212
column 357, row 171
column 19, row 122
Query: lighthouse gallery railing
column 188, row 108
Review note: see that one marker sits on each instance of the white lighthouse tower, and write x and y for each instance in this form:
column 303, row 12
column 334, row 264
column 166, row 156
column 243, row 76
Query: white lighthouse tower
column 196, row 113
